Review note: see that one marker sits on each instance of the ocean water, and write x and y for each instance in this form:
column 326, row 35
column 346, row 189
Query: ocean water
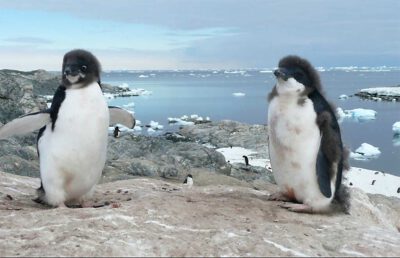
column 210, row 93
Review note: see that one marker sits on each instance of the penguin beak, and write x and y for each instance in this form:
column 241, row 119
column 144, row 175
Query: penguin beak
column 281, row 73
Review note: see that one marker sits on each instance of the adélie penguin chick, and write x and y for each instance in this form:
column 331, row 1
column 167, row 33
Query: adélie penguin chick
column 72, row 158
column 188, row 181
column 305, row 145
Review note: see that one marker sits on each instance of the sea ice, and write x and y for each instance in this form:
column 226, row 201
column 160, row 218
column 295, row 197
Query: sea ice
column 143, row 76
column 358, row 114
column 179, row 121
column 155, row 125
column 343, row 97
column 365, row 151
column 239, row 94
column 396, row 127
column 383, row 91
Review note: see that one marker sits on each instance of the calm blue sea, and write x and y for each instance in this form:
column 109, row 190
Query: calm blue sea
column 210, row 93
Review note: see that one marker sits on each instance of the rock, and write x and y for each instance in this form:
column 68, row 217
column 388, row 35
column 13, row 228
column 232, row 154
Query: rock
column 229, row 133
column 19, row 92
column 157, row 156
column 150, row 217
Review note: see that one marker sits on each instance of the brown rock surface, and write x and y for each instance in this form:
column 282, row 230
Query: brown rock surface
column 218, row 217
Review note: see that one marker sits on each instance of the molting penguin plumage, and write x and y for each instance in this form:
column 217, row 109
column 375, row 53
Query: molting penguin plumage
column 188, row 181
column 305, row 145
column 72, row 159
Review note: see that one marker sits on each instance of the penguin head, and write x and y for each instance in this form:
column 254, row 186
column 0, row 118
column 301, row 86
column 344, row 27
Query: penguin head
column 190, row 175
column 296, row 75
column 80, row 68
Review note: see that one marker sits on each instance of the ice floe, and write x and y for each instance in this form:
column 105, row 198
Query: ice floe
column 188, row 120
column 239, row 94
column 365, row 151
column 143, row 76
column 343, row 97
column 155, row 125
column 380, row 93
column 396, row 127
column 358, row 114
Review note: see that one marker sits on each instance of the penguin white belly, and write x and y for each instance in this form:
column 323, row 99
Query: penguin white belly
column 294, row 141
column 72, row 156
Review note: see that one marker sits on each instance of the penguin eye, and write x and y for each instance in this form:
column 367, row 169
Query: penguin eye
column 83, row 68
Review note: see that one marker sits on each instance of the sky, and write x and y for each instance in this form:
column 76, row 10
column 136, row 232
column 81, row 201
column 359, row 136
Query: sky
column 199, row 34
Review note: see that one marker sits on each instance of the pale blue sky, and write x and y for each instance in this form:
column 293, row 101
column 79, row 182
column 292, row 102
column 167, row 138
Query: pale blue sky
column 202, row 34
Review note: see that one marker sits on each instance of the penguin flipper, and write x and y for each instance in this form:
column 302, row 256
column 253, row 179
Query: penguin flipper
column 323, row 176
column 25, row 124
column 329, row 160
column 121, row 116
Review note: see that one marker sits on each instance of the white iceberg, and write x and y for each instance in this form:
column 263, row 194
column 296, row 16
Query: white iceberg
column 151, row 130
column 179, row 121
column 265, row 71
column 343, row 97
column 143, row 76
column 358, row 114
column 239, row 94
column 365, row 151
column 383, row 91
column 188, row 120
column 396, row 127
column 155, row 125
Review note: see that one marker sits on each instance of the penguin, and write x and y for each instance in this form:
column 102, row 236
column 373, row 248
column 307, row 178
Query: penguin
column 246, row 160
column 188, row 181
column 71, row 159
column 117, row 132
column 305, row 146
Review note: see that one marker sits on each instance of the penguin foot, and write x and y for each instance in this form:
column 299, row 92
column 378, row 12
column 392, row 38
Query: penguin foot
column 280, row 197
column 296, row 207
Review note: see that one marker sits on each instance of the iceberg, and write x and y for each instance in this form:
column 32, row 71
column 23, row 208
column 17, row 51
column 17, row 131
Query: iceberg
column 343, row 97
column 396, row 128
column 143, row 76
column 365, row 151
column 358, row 114
column 155, row 125
column 239, row 94
column 381, row 93
column 188, row 120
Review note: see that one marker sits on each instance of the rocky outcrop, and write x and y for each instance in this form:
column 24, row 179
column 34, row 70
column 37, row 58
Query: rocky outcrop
column 150, row 217
column 19, row 92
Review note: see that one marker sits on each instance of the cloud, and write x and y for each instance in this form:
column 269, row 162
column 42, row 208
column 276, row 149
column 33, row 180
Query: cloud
column 28, row 40
column 241, row 33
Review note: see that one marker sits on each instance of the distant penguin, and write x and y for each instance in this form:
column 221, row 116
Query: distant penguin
column 305, row 145
column 72, row 159
column 246, row 160
column 117, row 132
column 188, row 180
